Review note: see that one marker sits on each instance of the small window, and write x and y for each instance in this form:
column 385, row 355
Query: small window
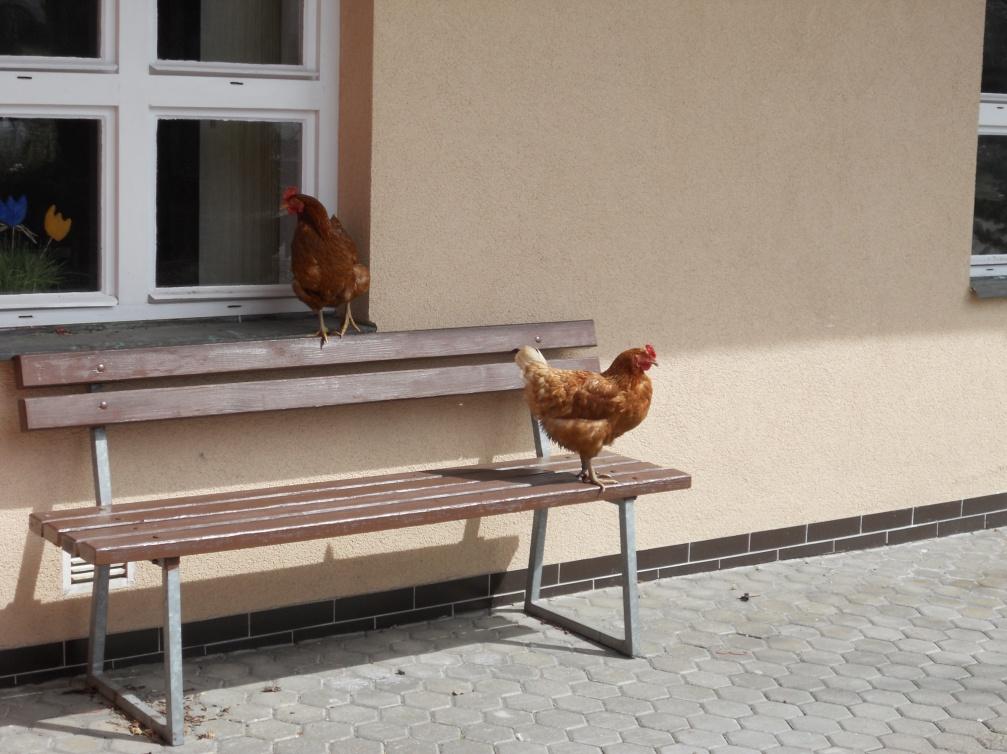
column 255, row 32
column 50, row 28
column 49, row 208
column 217, row 208
column 989, row 223
column 989, row 235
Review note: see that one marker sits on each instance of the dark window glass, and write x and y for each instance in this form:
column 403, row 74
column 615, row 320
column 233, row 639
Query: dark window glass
column 218, row 195
column 49, row 28
column 995, row 47
column 49, row 208
column 989, row 226
column 262, row 32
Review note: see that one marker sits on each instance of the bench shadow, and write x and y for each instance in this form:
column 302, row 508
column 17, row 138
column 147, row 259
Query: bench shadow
column 504, row 625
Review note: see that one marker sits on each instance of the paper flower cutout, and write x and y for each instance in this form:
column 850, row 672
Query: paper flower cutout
column 55, row 224
column 12, row 211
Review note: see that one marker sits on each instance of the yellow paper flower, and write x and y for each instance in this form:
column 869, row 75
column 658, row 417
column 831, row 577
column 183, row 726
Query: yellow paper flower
column 55, row 225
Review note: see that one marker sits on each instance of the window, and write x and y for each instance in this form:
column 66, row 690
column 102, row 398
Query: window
column 142, row 166
column 989, row 224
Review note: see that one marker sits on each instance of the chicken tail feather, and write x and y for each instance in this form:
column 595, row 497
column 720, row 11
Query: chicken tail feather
column 527, row 356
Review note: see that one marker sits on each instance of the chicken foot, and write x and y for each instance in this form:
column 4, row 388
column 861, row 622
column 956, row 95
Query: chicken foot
column 322, row 331
column 347, row 321
column 588, row 475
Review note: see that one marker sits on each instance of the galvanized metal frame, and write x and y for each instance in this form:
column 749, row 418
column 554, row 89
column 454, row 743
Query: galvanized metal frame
column 170, row 726
column 629, row 643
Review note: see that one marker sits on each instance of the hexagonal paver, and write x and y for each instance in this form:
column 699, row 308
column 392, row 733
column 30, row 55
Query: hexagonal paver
column 902, row 647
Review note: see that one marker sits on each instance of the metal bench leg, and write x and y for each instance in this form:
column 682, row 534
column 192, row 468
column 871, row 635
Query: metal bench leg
column 169, row 727
column 99, row 623
column 629, row 644
column 175, row 712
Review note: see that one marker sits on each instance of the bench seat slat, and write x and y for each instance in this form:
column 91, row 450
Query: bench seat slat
column 151, row 404
column 36, row 370
column 354, row 517
column 183, row 515
column 533, row 489
column 70, row 518
column 443, row 491
column 320, row 527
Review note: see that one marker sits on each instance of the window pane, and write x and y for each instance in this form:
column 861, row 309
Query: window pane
column 49, row 28
column 995, row 47
column 218, row 189
column 49, row 210
column 263, row 32
column 989, row 227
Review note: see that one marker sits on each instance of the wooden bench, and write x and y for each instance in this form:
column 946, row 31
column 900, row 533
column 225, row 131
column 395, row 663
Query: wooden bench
column 165, row 530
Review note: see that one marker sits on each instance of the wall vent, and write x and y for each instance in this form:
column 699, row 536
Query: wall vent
column 78, row 576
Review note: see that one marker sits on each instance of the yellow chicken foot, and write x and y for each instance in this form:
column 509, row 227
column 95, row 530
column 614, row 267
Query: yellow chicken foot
column 347, row 321
column 588, row 475
column 321, row 328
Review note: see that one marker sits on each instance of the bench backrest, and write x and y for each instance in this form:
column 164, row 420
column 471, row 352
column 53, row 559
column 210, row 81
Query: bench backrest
column 275, row 391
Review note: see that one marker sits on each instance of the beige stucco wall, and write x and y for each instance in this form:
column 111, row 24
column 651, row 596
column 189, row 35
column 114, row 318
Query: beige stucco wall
column 777, row 195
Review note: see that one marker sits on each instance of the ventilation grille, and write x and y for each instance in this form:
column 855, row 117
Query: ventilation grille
column 78, row 576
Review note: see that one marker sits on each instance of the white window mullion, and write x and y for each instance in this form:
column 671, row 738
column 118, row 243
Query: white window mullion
column 135, row 207
column 325, row 163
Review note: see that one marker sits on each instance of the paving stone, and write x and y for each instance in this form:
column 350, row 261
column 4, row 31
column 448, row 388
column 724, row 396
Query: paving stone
column 872, row 651
column 521, row 747
column 272, row 730
column 574, row 748
column 815, row 724
column 578, row 703
column 804, row 740
column 765, row 723
column 381, row 731
column 855, row 741
column 245, row 745
column 704, row 738
column 459, row 716
column 541, row 734
column 752, row 739
column 327, row 731
column 356, row 746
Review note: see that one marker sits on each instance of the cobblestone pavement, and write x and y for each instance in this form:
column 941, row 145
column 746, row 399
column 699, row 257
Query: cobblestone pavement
column 895, row 649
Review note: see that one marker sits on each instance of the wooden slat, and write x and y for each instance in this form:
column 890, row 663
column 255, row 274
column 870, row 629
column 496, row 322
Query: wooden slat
column 75, row 521
column 536, row 491
column 37, row 370
column 151, row 404
column 172, row 521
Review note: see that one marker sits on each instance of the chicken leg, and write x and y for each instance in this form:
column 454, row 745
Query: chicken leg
column 587, row 473
column 321, row 328
column 347, row 321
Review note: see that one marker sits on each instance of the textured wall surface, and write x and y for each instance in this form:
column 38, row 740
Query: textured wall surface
column 777, row 195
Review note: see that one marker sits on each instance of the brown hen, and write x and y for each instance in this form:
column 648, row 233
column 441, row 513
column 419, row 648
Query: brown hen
column 323, row 261
column 583, row 411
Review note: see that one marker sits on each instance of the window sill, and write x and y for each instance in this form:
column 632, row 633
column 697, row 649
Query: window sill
column 142, row 334
column 989, row 281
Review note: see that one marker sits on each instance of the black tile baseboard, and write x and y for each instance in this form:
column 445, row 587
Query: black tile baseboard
column 343, row 615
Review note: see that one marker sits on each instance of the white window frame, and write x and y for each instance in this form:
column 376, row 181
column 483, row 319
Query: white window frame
column 992, row 122
column 129, row 90
column 106, row 62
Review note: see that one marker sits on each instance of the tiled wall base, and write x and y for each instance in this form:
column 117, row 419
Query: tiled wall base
column 367, row 612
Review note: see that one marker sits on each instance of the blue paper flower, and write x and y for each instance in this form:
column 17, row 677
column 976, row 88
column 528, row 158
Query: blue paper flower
column 12, row 212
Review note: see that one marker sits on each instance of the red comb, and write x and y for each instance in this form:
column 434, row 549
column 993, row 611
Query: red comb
column 289, row 191
column 650, row 351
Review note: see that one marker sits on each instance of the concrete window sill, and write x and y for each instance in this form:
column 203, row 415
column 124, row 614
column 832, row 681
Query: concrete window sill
column 89, row 337
column 988, row 286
